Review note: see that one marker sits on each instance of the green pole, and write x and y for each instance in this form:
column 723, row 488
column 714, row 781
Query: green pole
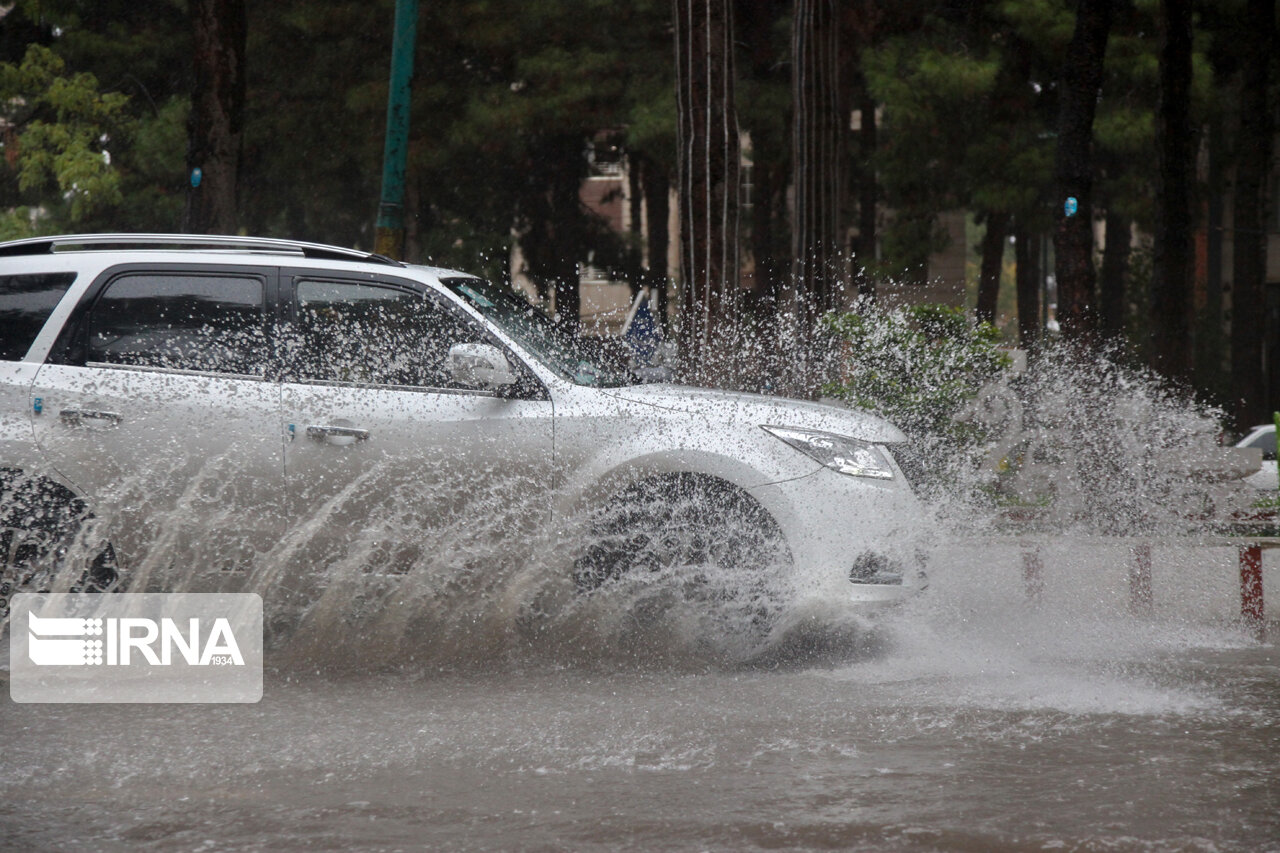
column 389, row 238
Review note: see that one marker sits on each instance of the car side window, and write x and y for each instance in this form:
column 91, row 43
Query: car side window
column 207, row 323
column 374, row 334
column 26, row 301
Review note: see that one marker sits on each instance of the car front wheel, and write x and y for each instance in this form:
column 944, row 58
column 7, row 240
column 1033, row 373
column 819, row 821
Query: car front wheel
column 691, row 548
column 47, row 542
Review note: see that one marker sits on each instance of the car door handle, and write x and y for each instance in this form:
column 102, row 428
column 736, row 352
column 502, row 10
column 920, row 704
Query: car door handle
column 77, row 417
column 336, row 434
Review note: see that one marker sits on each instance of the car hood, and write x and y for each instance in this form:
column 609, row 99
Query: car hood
column 761, row 410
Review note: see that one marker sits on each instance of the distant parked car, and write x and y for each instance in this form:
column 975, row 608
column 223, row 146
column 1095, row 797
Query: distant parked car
column 1263, row 437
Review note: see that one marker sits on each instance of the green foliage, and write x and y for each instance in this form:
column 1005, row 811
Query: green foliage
column 911, row 237
column 315, row 114
column 915, row 367
column 966, row 125
column 17, row 223
column 538, row 82
column 1047, row 23
column 506, row 99
column 152, row 164
column 64, row 123
column 508, row 95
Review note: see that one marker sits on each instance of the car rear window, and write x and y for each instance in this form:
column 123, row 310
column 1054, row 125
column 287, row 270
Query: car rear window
column 26, row 301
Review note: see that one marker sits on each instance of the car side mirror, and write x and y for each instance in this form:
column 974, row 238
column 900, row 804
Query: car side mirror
column 480, row 366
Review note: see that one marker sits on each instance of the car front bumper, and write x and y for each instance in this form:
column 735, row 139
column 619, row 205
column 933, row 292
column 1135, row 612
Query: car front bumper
column 853, row 540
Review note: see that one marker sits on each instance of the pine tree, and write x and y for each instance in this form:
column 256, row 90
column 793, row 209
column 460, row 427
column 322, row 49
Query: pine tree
column 1081, row 82
column 217, row 115
column 1249, row 256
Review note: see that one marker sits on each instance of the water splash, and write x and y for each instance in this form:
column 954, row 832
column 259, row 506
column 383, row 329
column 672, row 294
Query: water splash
column 436, row 571
column 1089, row 446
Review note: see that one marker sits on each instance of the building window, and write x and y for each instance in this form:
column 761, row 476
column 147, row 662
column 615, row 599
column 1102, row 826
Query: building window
column 604, row 158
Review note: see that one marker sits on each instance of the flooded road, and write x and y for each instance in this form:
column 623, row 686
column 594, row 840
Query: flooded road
column 957, row 724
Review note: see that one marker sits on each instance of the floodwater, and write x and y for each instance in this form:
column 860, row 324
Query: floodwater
column 971, row 719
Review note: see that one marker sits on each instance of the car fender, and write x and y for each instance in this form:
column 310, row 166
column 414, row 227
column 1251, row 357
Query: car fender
column 599, row 455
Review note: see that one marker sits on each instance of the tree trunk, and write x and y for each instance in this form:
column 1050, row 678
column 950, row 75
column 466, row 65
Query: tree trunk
column 868, row 196
column 992, row 266
column 1026, row 252
column 709, row 155
column 1073, row 236
column 768, row 64
column 217, row 116
column 1213, row 348
column 553, row 239
column 1249, row 251
column 1174, row 254
column 657, row 205
column 769, row 240
column 1115, row 267
column 816, row 156
column 565, row 244
column 635, row 230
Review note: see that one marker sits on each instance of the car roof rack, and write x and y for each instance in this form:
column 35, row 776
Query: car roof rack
column 208, row 242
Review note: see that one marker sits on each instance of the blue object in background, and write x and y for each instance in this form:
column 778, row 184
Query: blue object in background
column 197, row 175
column 643, row 335
column 1070, row 206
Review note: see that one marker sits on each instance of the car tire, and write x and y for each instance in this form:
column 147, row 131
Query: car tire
column 695, row 543
column 46, row 538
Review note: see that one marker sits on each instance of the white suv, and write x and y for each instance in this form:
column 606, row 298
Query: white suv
column 227, row 398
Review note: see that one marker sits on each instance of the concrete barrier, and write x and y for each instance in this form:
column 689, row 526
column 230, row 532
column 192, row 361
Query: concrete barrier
column 1252, row 611
column 1157, row 571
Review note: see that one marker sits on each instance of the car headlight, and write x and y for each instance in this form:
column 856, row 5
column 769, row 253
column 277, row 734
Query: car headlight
column 838, row 452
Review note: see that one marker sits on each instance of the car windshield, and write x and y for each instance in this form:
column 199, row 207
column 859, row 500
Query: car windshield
column 570, row 357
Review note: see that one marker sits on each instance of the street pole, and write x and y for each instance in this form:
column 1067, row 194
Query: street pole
column 389, row 235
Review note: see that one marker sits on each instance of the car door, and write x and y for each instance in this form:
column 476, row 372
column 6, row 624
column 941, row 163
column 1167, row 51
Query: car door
column 391, row 466
column 158, row 405
column 26, row 302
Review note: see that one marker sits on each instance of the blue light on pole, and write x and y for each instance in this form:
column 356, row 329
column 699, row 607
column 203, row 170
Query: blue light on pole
column 1070, row 206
